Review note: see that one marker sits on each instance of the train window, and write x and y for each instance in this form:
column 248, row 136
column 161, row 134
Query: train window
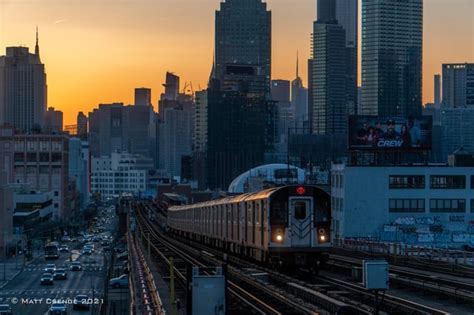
column 300, row 210
column 322, row 213
column 279, row 213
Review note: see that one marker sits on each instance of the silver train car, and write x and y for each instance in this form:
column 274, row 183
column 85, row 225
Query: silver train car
column 280, row 226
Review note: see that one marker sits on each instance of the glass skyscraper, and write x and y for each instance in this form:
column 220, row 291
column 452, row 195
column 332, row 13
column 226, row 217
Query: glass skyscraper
column 243, row 38
column 392, row 39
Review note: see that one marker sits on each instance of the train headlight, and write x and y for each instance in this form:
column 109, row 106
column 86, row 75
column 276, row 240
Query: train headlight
column 278, row 235
column 322, row 235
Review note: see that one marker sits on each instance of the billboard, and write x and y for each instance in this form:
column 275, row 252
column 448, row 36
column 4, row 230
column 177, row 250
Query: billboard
column 377, row 133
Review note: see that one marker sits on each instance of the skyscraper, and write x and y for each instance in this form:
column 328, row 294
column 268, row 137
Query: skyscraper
column 82, row 125
column 437, row 91
column 458, row 85
column 143, row 97
column 171, row 87
column 23, row 90
column 392, row 39
column 328, row 73
column 346, row 16
column 299, row 98
column 243, row 43
column 53, row 121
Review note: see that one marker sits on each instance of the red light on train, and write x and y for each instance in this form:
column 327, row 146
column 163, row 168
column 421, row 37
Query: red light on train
column 300, row 190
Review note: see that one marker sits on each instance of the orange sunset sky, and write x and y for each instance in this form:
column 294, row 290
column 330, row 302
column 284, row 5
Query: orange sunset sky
column 98, row 51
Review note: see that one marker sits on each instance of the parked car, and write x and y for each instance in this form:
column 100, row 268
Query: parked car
column 47, row 279
column 58, row 309
column 60, row 274
column 120, row 282
column 5, row 309
column 64, row 249
column 75, row 266
column 80, row 302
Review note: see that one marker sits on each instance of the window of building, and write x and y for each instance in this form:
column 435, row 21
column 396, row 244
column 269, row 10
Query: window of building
column 44, row 157
column 19, row 157
column 406, row 205
column 56, row 205
column 448, row 205
column 407, row 181
column 472, row 205
column 56, row 193
column 472, row 181
column 448, row 182
column 56, row 157
column 31, row 157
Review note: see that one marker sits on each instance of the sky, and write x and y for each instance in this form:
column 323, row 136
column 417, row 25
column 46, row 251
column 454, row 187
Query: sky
column 98, row 51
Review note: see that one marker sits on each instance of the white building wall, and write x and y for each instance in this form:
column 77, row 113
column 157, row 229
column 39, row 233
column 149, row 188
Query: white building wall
column 361, row 197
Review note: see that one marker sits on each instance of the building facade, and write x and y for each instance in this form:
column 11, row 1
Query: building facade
column 347, row 17
column 79, row 168
column 40, row 162
column 238, row 43
column 115, row 127
column 23, row 89
column 457, row 130
column 458, row 85
column 53, row 121
column 82, row 125
column 392, row 44
column 175, row 139
column 425, row 205
column 121, row 173
column 328, row 73
column 143, row 97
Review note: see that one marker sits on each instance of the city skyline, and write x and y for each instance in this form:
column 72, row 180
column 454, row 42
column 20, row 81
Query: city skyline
column 137, row 50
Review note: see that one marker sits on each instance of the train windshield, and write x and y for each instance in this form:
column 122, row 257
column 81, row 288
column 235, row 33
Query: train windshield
column 300, row 210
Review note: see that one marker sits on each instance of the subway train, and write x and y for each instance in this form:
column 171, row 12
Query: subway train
column 280, row 226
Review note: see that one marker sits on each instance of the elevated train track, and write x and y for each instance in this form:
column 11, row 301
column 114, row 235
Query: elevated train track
column 332, row 295
column 255, row 297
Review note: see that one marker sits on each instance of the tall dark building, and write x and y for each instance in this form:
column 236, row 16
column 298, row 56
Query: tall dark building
column 240, row 130
column 235, row 119
column 392, row 43
column 171, row 87
column 328, row 73
column 243, row 37
column 23, row 89
column 347, row 17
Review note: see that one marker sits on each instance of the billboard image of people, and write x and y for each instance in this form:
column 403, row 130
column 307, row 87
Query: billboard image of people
column 390, row 133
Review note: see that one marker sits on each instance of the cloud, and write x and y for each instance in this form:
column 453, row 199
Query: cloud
column 60, row 21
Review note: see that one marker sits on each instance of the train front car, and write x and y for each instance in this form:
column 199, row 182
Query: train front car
column 300, row 227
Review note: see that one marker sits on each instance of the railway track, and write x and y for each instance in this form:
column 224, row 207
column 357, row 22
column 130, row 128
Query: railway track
column 255, row 296
column 461, row 289
column 335, row 296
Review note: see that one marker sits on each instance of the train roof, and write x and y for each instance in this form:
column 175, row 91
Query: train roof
column 231, row 199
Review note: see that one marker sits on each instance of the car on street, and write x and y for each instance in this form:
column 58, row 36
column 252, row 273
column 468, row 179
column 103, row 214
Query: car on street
column 47, row 279
column 5, row 309
column 81, row 302
column 75, row 266
column 87, row 251
column 50, row 268
column 58, row 309
column 64, row 249
column 60, row 274
column 65, row 238
column 120, row 282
